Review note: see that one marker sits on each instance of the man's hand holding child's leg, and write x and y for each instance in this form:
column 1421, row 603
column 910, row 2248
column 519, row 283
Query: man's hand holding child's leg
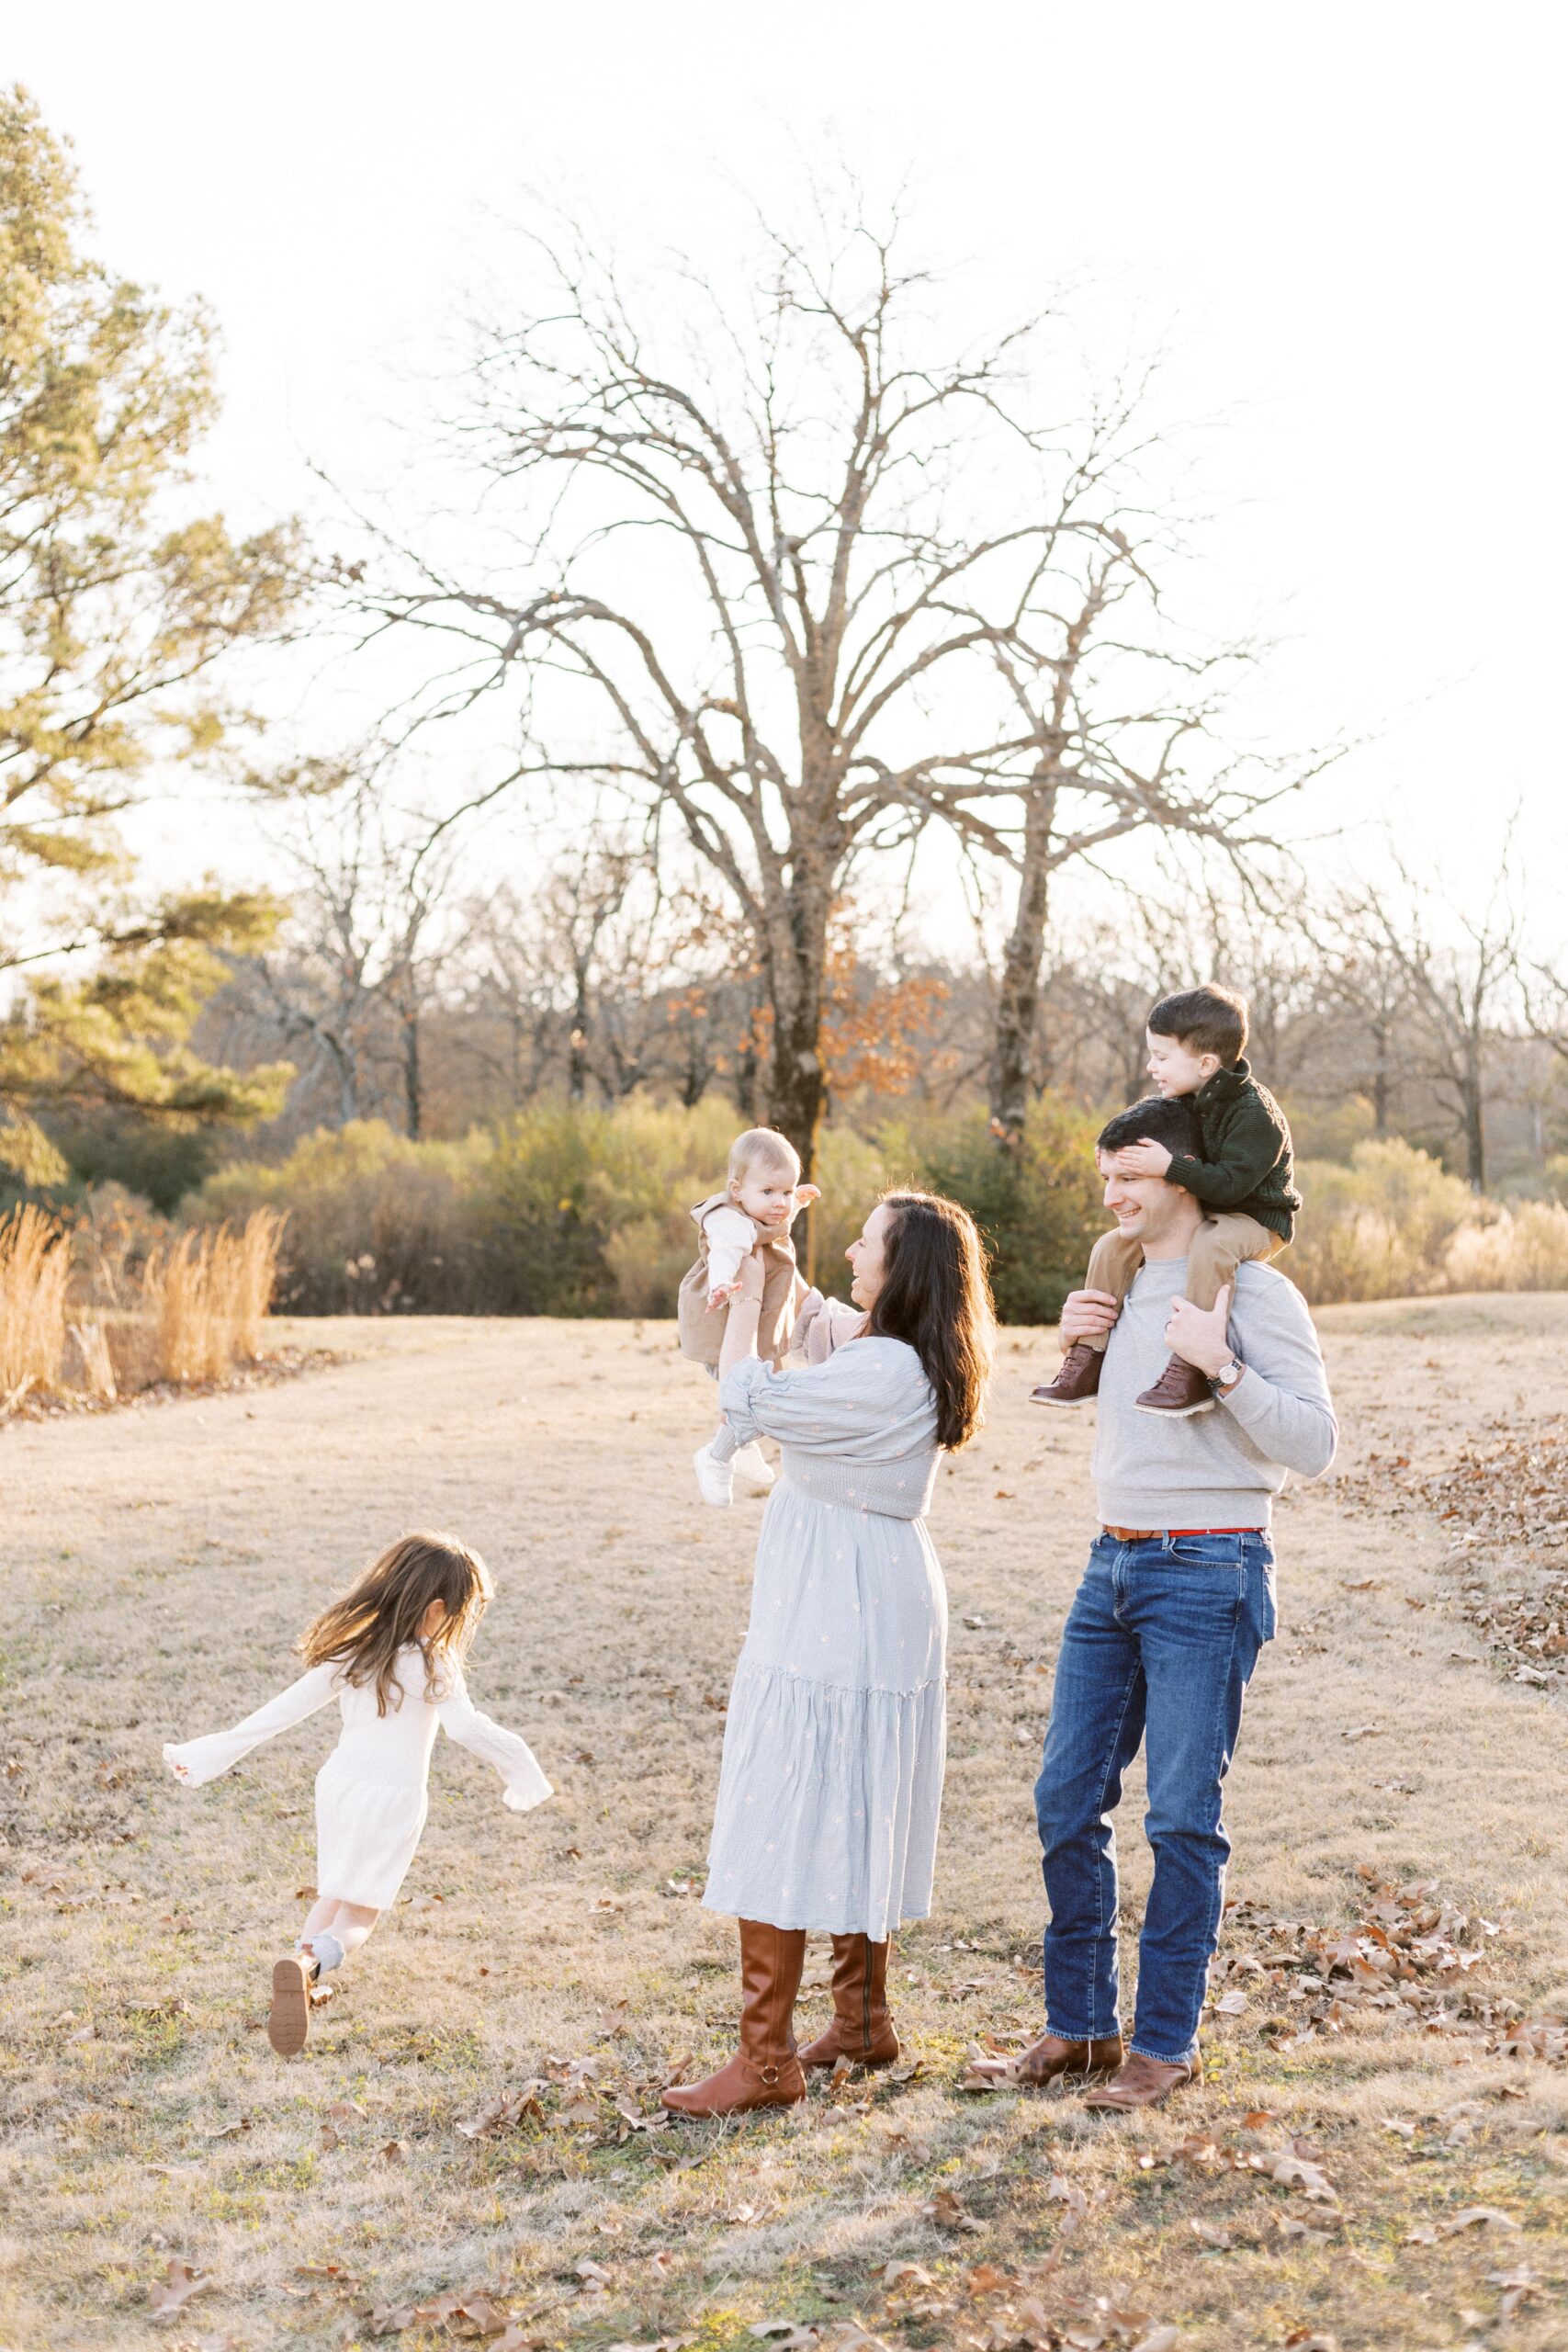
column 1086, row 1314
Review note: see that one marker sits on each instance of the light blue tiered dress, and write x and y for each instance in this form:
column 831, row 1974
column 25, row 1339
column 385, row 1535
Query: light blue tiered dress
column 831, row 1791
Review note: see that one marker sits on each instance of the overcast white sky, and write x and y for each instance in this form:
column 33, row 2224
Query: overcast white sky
column 1353, row 214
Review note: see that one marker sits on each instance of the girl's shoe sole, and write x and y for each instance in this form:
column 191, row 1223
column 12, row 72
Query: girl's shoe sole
column 290, row 2022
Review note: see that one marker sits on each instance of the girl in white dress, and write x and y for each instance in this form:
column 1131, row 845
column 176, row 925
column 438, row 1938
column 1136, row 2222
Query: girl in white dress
column 389, row 1651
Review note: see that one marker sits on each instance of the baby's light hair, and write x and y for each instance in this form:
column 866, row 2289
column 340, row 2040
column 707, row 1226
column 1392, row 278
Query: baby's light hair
column 761, row 1148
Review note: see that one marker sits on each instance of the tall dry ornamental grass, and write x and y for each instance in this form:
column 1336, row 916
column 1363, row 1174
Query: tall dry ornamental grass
column 208, row 1294
column 35, row 1267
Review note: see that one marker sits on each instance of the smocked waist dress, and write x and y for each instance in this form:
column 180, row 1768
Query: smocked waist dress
column 835, row 1743
column 371, row 1794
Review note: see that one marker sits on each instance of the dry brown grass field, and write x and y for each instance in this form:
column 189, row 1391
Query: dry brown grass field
column 1323, row 2186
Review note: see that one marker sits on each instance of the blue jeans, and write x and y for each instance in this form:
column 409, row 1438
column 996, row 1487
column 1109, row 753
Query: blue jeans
column 1162, row 1638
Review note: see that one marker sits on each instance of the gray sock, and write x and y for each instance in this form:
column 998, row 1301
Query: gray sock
column 326, row 1948
column 725, row 1445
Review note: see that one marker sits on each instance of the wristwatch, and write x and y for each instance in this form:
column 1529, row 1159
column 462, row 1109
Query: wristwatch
column 1225, row 1379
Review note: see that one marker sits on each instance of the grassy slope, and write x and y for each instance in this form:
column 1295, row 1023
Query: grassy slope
column 166, row 1556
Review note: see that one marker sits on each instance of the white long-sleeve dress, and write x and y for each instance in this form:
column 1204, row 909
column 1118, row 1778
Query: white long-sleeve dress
column 371, row 1794
column 835, row 1744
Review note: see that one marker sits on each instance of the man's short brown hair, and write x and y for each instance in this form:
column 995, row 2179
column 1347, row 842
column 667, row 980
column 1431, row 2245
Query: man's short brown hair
column 1209, row 1020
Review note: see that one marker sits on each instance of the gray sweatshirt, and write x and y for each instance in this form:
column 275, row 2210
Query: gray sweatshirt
column 1223, row 1468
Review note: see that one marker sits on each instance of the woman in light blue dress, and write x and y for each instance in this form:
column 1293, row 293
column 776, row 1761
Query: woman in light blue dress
column 830, row 1788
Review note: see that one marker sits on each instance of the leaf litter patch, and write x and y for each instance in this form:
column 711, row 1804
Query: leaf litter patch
column 1410, row 1960
column 1503, row 1502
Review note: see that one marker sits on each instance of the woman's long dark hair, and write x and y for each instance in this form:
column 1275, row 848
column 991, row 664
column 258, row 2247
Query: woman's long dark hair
column 936, row 1297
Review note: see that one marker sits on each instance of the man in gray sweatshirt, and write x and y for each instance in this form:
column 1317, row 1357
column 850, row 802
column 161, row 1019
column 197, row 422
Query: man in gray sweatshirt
column 1164, row 1630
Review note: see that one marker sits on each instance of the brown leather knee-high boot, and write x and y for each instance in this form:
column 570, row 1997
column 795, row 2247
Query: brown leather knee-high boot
column 764, row 2071
column 862, row 2028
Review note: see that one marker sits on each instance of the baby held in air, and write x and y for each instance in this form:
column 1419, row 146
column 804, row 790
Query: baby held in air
column 762, row 1198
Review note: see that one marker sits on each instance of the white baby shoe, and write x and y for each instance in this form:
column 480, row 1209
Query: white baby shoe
column 750, row 1463
column 714, row 1478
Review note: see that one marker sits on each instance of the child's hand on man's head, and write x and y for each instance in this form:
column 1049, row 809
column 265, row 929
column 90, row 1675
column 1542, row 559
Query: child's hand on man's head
column 1143, row 1159
column 804, row 1197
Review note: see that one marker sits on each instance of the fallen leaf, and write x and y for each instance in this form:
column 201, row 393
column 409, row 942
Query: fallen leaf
column 234, row 2131
column 1479, row 2217
column 1292, row 2171
column 1159, row 2339
column 174, row 2289
column 949, row 2213
column 1293, row 2229
column 1209, row 2233
column 1517, row 2287
column 576, row 2113
column 394, row 2151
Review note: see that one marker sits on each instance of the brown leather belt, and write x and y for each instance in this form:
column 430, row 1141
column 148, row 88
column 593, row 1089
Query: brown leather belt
column 1162, row 1534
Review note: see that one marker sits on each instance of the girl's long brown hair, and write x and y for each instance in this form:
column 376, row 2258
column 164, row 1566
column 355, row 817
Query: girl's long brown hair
column 381, row 1614
column 936, row 1295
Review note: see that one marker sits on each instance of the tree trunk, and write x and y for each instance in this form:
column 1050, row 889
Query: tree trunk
column 1474, row 1122
column 1380, row 1078
column 1018, row 1000
column 794, row 976
column 413, row 1085
column 577, row 1043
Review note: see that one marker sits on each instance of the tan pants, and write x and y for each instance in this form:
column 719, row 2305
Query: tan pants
column 1220, row 1244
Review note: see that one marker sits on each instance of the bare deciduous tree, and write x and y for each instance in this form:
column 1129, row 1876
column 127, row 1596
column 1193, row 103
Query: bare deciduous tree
column 1456, row 991
column 351, row 980
column 808, row 585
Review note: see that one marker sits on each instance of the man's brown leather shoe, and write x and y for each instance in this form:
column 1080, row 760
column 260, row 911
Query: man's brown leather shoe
column 1144, row 2082
column 1181, row 1388
column 1078, row 1378
column 1051, row 2060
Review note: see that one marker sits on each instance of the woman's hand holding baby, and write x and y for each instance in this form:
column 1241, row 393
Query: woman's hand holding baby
column 753, row 1281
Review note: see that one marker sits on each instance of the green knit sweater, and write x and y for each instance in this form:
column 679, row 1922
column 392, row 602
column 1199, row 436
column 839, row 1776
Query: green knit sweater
column 1246, row 1165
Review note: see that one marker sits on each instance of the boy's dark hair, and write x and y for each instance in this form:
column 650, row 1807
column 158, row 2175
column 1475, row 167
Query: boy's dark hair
column 1209, row 1020
column 1167, row 1119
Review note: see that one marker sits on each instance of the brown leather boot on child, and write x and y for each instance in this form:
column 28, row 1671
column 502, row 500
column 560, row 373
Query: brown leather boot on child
column 1078, row 1378
column 764, row 2071
column 862, row 2028
column 1181, row 1389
